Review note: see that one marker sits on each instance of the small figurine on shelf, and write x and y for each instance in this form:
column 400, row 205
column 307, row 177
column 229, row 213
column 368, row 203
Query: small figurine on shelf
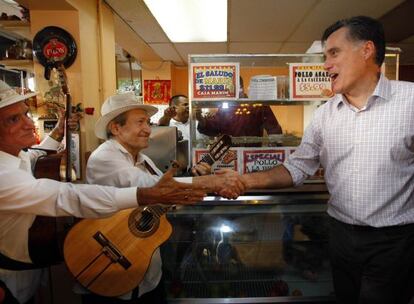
column 25, row 13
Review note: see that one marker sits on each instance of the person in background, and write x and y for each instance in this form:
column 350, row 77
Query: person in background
column 118, row 162
column 176, row 115
column 22, row 196
column 364, row 139
column 250, row 120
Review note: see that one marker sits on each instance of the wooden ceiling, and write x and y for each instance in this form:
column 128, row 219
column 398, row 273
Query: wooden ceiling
column 263, row 26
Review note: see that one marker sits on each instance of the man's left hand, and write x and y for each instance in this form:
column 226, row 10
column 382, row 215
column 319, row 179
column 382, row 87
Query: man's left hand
column 73, row 122
column 201, row 169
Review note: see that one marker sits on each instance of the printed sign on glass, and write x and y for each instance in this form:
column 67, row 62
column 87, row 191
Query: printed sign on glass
column 258, row 160
column 214, row 80
column 228, row 161
column 309, row 81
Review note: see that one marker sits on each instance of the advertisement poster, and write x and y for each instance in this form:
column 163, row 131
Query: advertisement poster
column 259, row 159
column 229, row 160
column 309, row 81
column 214, row 80
column 157, row 91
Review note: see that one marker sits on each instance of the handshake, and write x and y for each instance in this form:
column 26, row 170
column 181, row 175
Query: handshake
column 226, row 183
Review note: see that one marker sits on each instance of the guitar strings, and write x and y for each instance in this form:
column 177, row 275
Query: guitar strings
column 155, row 211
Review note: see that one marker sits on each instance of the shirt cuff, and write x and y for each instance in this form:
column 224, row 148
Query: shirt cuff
column 297, row 176
column 49, row 143
column 185, row 180
column 126, row 198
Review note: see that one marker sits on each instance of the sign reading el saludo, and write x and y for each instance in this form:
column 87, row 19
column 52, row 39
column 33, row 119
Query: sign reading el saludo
column 214, row 80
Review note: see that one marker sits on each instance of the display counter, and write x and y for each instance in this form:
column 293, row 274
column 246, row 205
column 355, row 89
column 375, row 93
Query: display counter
column 261, row 248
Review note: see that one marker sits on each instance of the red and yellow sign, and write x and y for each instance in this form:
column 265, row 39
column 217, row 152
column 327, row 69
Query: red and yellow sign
column 157, row 91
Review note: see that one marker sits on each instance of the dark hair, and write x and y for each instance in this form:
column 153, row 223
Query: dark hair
column 362, row 28
column 120, row 120
column 175, row 98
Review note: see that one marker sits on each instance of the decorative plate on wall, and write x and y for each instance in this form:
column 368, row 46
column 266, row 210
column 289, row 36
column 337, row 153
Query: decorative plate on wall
column 54, row 46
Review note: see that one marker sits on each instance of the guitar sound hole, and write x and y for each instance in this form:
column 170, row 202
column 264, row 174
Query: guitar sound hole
column 145, row 222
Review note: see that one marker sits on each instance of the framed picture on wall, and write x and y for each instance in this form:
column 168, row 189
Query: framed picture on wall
column 214, row 80
column 157, row 91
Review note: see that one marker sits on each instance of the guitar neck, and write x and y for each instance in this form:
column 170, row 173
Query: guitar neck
column 68, row 140
column 207, row 158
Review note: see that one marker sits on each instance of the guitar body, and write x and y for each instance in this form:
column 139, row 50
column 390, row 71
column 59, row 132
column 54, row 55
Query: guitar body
column 110, row 256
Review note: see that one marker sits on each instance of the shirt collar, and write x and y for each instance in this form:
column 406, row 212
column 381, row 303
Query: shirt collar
column 117, row 145
column 176, row 122
column 11, row 161
column 382, row 90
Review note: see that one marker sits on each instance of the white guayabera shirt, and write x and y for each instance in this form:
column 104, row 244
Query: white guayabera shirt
column 111, row 164
column 22, row 196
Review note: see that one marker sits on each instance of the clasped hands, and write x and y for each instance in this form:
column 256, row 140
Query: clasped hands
column 226, row 183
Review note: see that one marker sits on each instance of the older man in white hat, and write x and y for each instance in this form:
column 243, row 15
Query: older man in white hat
column 22, row 196
column 119, row 162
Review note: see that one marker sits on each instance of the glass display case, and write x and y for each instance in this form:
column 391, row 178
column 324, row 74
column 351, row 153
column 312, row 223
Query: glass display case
column 228, row 90
column 291, row 114
column 262, row 248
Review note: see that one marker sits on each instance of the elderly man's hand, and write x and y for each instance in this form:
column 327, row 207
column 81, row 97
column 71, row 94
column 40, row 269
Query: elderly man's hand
column 170, row 112
column 229, row 184
column 169, row 191
column 59, row 131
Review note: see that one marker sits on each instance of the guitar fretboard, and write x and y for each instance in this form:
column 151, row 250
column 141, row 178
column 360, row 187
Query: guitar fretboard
column 207, row 158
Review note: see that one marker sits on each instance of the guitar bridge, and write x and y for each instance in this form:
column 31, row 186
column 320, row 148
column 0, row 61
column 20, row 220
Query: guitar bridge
column 111, row 251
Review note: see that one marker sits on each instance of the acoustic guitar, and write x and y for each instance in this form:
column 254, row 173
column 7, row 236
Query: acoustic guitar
column 110, row 256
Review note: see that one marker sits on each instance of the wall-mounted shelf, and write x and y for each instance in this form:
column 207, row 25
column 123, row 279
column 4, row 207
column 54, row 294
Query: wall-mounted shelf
column 15, row 29
column 19, row 64
column 282, row 102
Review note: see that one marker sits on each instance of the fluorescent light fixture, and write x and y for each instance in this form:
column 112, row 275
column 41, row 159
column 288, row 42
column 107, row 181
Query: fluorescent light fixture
column 191, row 20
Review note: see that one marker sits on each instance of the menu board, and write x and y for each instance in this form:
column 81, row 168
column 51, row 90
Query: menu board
column 309, row 81
column 214, row 80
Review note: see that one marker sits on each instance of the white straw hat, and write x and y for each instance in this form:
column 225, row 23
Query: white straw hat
column 116, row 105
column 8, row 96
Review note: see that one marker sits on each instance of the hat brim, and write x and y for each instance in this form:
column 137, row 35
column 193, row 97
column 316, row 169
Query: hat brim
column 102, row 123
column 15, row 99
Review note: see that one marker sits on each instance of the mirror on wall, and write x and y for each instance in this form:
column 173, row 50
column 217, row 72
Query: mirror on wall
column 128, row 73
